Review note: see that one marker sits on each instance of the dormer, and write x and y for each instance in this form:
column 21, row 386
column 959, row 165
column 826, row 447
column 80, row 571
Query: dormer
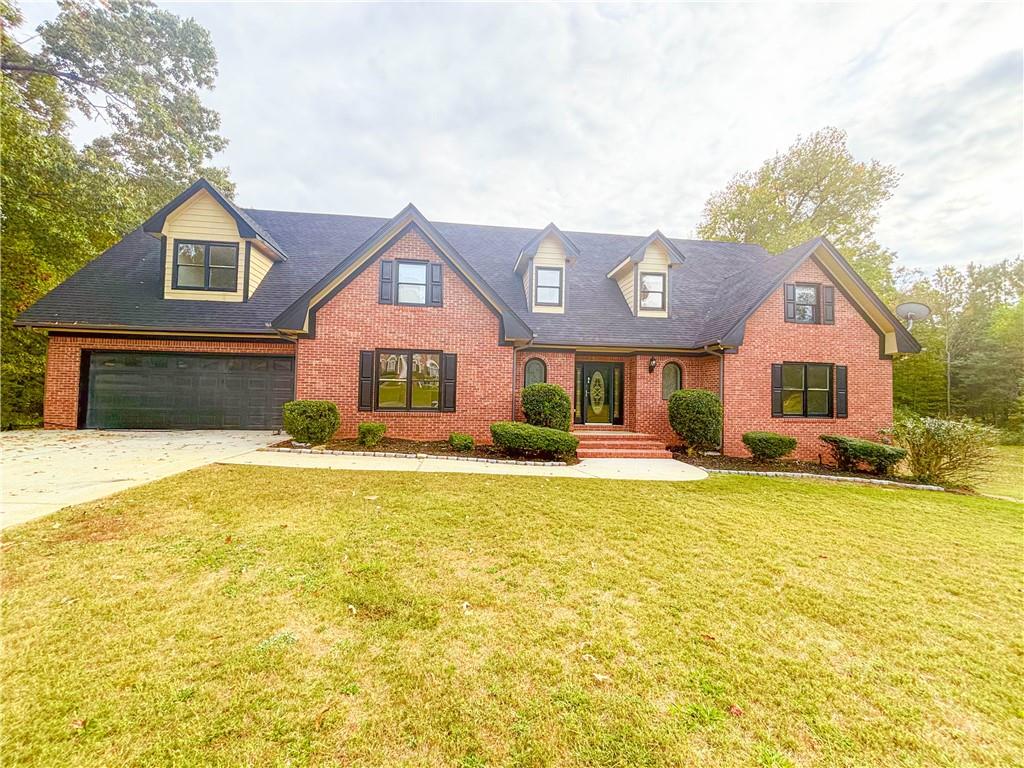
column 644, row 276
column 211, row 250
column 542, row 266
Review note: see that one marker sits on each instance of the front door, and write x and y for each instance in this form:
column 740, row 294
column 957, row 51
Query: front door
column 599, row 393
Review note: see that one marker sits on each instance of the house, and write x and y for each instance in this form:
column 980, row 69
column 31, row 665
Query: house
column 211, row 316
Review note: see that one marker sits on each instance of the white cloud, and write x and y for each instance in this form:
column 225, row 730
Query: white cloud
column 619, row 118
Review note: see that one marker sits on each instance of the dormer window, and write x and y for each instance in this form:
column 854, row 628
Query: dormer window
column 652, row 290
column 205, row 266
column 549, row 287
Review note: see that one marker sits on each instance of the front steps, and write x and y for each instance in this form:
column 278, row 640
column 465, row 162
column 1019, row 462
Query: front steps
column 616, row 443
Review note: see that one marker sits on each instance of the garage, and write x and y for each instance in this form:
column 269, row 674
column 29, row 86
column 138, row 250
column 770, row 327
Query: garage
column 148, row 390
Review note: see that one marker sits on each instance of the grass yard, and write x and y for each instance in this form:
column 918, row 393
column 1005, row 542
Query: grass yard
column 1007, row 476
column 262, row 616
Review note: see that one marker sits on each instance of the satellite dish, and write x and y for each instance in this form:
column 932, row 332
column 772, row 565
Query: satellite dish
column 909, row 311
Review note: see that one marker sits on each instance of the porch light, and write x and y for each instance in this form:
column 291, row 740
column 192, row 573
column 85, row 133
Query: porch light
column 652, row 364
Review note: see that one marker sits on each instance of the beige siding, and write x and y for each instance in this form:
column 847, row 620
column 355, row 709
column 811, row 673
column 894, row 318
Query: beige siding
column 550, row 254
column 259, row 265
column 526, row 283
column 626, row 285
column 655, row 260
column 202, row 218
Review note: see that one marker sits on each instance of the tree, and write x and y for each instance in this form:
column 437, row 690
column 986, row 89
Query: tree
column 972, row 360
column 140, row 70
column 815, row 188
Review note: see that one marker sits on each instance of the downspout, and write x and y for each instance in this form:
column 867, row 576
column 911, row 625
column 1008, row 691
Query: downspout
column 721, row 388
column 515, row 350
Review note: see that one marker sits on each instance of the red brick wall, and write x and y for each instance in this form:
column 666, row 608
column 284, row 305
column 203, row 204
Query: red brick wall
column 64, row 365
column 768, row 339
column 651, row 410
column 328, row 366
column 561, row 371
column 643, row 408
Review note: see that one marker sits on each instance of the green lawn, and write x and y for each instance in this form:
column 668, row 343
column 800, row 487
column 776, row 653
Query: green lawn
column 259, row 616
column 1007, row 473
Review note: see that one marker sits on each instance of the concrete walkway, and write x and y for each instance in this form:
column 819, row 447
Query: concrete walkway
column 44, row 470
column 608, row 469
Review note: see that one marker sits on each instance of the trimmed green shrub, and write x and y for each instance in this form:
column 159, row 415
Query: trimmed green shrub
column 461, row 442
column 547, row 405
column 696, row 416
column 947, row 452
column 852, row 453
column 371, row 433
column 521, row 439
column 311, row 421
column 768, row 445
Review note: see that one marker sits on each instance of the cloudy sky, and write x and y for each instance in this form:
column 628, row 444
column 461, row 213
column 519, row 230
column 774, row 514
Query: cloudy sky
column 619, row 119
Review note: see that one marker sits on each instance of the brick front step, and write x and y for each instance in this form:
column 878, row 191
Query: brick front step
column 607, row 444
column 639, row 443
column 622, row 453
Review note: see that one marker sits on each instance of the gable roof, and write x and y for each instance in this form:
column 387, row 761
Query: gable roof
column 247, row 227
column 529, row 250
column 297, row 315
column 714, row 290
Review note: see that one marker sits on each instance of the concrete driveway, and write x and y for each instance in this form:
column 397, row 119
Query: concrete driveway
column 44, row 470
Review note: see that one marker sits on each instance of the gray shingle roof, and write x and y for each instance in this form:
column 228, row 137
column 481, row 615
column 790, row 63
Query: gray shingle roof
column 715, row 287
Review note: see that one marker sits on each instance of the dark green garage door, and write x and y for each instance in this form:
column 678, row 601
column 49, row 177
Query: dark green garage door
column 136, row 390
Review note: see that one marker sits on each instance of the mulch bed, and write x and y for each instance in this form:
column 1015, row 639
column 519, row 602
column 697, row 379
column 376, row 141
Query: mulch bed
column 431, row 448
column 752, row 465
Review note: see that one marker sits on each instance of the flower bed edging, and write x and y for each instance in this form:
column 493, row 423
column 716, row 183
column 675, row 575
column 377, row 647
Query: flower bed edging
column 841, row 478
column 390, row 455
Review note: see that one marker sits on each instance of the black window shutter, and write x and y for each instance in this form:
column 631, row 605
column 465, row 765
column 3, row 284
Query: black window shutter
column 449, row 374
column 828, row 305
column 366, row 381
column 790, row 296
column 436, row 298
column 387, row 282
column 840, row 391
column 776, row 389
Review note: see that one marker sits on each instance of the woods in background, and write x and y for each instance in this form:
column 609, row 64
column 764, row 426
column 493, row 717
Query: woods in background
column 972, row 361
column 137, row 69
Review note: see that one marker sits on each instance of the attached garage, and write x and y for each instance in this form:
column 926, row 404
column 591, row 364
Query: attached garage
column 152, row 390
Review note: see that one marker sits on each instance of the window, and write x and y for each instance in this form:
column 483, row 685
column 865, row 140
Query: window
column 412, row 282
column 536, row 372
column 671, row 380
column 652, row 290
column 806, row 300
column 549, row 287
column 203, row 266
column 408, row 381
column 806, row 389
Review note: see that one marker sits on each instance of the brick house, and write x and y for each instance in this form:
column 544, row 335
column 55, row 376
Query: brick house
column 212, row 316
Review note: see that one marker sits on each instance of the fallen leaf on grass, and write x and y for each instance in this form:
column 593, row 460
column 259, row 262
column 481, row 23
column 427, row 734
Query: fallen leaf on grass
column 77, row 725
column 588, row 657
column 708, row 638
column 735, row 711
column 602, row 678
column 371, row 498
column 352, row 609
column 465, row 607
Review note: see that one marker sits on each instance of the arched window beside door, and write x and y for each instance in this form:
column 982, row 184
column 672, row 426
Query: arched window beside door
column 536, row 372
column 671, row 379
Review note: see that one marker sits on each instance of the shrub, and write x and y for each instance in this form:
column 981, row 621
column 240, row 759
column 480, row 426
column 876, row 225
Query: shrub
column 696, row 416
column 768, row 445
column 461, row 442
column 547, row 405
column 371, row 433
column 852, row 453
column 947, row 452
column 311, row 421
column 521, row 439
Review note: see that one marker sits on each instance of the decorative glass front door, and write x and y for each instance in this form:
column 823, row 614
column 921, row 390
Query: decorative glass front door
column 599, row 393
